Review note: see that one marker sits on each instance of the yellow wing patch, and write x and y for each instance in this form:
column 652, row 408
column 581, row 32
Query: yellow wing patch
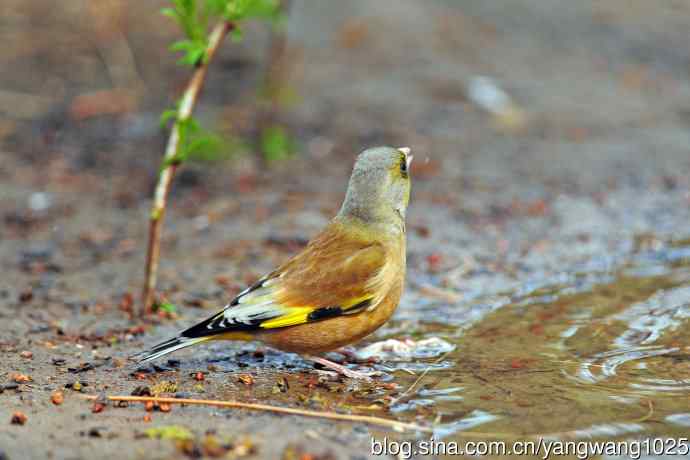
column 301, row 315
column 355, row 301
column 296, row 315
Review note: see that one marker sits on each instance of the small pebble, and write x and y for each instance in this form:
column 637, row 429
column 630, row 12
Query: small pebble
column 246, row 379
column 97, row 407
column 26, row 296
column 19, row 418
column 21, row 378
column 40, row 201
column 96, row 432
column 9, row 386
column 57, row 398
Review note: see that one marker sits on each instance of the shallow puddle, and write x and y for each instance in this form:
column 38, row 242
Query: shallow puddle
column 604, row 354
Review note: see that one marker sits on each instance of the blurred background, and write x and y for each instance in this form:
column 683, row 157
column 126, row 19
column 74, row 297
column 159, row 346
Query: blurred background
column 552, row 153
column 601, row 84
column 506, row 108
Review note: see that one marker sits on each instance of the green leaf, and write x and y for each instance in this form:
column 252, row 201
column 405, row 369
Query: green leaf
column 194, row 57
column 166, row 306
column 234, row 10
column 193, row 17
column 188, row 17
column 206, row 148
column 276, row 143
column 170, row 12
column 263, row 9
column 156, row 214
column 194, row 126
column 194, row 51
column 174, row 432
column 216, row 7
column 239, row 10
column 197, row 143
column 181, row 45
column 166, row 116
column 236, row 34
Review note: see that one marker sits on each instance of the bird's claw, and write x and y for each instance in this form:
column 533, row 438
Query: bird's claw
column 342, row 370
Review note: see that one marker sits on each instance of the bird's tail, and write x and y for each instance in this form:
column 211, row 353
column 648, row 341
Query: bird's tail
column 166, row 347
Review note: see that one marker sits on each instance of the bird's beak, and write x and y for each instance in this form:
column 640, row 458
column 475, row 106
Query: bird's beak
column 408, row 155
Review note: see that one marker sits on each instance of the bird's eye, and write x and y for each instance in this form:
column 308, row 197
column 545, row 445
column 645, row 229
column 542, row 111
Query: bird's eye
column 403, row 166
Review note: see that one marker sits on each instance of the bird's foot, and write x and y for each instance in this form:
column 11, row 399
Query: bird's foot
column 340, row 369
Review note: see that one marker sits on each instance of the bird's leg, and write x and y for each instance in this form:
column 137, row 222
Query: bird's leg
column 351, row 356
column 340, row 369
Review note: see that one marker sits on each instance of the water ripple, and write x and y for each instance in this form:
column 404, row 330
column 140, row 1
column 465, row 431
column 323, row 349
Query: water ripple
column 604, row 430
column 475, row 418
column 648, row 320
column 604, row 366
column 679, row 419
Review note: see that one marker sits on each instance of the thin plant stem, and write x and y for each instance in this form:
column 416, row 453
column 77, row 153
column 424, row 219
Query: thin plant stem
column 171, row 164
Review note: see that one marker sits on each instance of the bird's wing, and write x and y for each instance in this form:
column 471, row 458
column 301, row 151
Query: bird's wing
column 333, row 276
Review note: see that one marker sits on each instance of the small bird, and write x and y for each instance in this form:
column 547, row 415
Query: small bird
column 344, row 284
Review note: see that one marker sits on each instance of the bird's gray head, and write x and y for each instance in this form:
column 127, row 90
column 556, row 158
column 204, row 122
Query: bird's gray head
column 379, row 187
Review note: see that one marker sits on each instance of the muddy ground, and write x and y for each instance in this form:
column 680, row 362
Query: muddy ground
column 596, row 170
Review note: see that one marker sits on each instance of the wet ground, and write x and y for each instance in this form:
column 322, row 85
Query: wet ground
column 553, row 255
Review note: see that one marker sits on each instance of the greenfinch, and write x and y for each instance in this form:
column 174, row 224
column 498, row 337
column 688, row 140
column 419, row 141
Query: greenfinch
column 344, row 285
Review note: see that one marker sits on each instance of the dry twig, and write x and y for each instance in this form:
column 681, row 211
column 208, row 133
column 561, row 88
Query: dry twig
column 378, row 421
